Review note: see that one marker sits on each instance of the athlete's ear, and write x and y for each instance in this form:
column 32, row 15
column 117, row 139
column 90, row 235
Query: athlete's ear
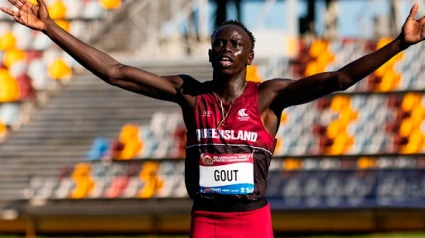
column 250, row 58
column 209, row 55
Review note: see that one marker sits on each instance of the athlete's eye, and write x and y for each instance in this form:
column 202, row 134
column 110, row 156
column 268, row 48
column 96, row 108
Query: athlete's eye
column 218, row 42
column 236, row 43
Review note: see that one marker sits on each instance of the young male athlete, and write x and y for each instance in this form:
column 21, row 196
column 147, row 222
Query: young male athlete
column 230, row 122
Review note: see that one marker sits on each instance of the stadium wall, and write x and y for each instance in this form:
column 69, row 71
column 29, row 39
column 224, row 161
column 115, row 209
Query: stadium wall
column 172, row 216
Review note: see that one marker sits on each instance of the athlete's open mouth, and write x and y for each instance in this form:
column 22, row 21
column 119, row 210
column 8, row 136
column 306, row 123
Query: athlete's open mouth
column 225, row 61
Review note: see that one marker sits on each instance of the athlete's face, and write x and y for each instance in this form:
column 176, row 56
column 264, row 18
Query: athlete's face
column 231, row 49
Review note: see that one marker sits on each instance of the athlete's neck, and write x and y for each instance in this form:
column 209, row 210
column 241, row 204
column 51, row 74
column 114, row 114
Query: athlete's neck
column 228, row 88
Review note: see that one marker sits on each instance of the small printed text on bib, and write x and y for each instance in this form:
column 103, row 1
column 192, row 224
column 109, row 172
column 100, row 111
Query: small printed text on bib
column 230, row 174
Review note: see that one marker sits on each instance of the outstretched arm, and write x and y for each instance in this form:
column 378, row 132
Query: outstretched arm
column 102, row 65
column 292, row 92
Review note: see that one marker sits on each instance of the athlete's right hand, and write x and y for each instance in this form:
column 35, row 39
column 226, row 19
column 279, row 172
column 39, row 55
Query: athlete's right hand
column 30, row 15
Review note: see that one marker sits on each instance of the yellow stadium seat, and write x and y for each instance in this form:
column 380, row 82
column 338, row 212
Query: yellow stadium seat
column 321, row 66
column 325, row 58
column 396, row 80
column 66, row 25
column 59, row 69
column 252, row 74
column 321, row 55
column 129, row 137
column 382, row 70
column 129, row 132
column 292, row 164
column 9, row 88
column 344, row 141
column 131, row 149
column 12, row 56
column 406, row 127
column 417, row 114
column 83, row 181
column 389, row 81
column 393, row 61
column 340, row 146
column 110, row 4
column 334, row 129
column 3, row 130
column 385, row 85
column 318, row 47
column 366, row 163
column 57, row 10
column 422, row 146
column 335, row 149
column 410, row 100
column 382, row 42
column 151, row 180
column 399, row 57
column 83, row 188
column 312, row 68
column 415, row 143
column 7, row 41
column 81, row 170
column 339, row 103
column 347, row 115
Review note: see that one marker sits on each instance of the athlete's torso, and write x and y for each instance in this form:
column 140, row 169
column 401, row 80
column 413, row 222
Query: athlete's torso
column 230, row 161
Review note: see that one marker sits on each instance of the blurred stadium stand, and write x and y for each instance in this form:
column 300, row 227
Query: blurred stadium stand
column 62, row 131
column 77, row 155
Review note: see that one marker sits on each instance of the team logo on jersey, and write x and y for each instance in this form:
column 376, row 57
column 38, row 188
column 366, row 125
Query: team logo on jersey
column 243, row 116
column 206, row 113
column 207, row 160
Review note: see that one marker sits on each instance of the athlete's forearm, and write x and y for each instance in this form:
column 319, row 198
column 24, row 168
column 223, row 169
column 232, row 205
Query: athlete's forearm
column 92, row 59
column 362, row 67
column 321, row 84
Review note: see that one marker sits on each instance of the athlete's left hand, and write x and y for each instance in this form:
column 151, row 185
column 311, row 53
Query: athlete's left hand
column 413, row 31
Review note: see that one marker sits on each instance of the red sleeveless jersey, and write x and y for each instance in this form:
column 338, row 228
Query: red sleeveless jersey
column 228, row 149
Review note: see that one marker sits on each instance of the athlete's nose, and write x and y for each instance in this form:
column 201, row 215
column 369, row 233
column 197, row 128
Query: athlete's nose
column 227, row 46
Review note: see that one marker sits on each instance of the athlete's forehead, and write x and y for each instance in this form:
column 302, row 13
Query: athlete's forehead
column 231, row 32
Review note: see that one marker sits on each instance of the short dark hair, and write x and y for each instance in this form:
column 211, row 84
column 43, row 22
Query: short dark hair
column 241, row 25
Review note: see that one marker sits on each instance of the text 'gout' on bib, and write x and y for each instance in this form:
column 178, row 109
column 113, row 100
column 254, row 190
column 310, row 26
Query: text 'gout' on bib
column 226, row 173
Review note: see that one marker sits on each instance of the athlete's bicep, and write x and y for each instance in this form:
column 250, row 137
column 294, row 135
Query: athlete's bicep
column 146, row 83
column 268, row 93
column 310, row 88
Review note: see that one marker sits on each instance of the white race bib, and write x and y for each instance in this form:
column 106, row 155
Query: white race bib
column 231, row 174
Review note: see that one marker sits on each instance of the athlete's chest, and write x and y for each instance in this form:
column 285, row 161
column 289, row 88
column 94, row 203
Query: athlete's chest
column 236, row 121
column 214, row 113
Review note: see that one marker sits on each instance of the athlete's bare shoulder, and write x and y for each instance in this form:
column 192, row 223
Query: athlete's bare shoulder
column 275, row 84
column 189, row 87
column 269, row 90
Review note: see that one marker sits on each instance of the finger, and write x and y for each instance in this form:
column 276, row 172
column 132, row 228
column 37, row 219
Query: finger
column 41, row 3
column 23, row 1
column 413, row 11
column 7, row 11
column 18, row 19
column 16, row 3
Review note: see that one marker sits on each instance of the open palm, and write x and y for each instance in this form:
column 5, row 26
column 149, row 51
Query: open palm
column 28, row 14
column 413, row 31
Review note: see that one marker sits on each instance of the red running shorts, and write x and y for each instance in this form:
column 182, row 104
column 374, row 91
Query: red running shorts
column 251, row 224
